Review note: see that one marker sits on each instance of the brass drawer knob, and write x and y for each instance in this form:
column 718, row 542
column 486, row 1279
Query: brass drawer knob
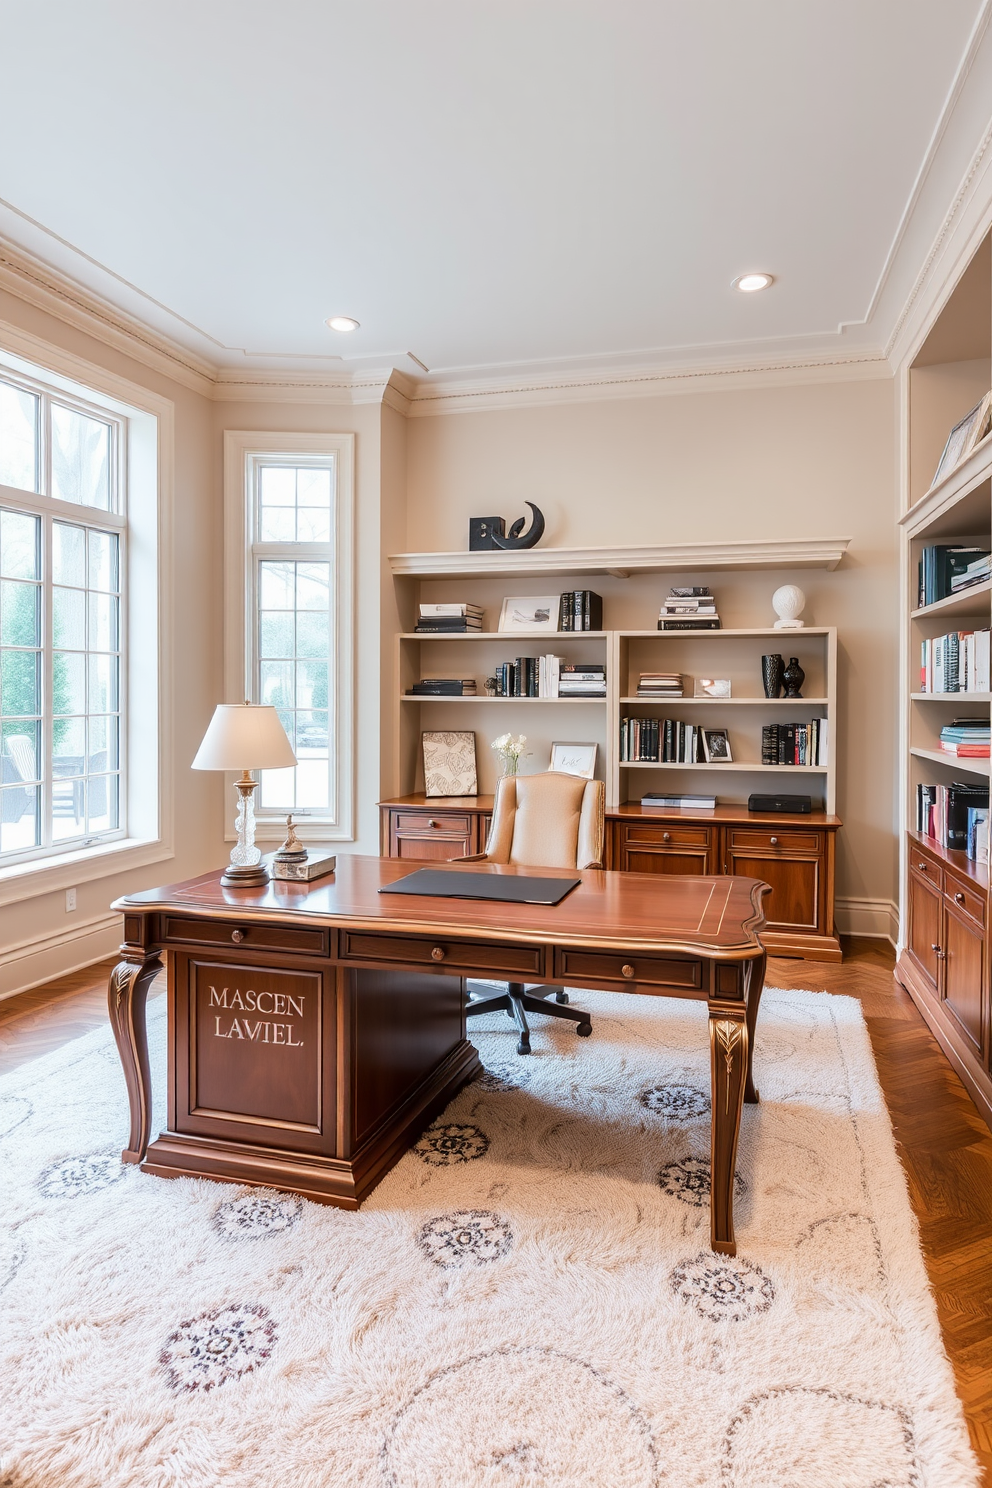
column 666, row 836
column 432, row 823
column 437, row 954
column 937, row 952
column 922, row 867
column 237, row 936
column 627, row 971
column 773, row 841
column 959, row 898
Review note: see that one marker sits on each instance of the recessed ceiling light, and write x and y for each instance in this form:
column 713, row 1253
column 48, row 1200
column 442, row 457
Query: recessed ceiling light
column 750, row 283
column 341, row 323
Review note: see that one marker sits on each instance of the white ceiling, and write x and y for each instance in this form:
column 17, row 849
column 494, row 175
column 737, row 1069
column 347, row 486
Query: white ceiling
column 483, row 185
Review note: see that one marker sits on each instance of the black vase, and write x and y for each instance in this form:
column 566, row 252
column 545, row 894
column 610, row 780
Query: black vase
column 793, row 677
column 772, row 668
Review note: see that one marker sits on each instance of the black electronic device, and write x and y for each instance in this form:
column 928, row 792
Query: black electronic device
column 801, row 805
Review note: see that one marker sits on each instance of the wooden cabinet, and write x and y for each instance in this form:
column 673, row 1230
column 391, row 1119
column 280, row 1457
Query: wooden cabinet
column 945, row 963
column 794, row 854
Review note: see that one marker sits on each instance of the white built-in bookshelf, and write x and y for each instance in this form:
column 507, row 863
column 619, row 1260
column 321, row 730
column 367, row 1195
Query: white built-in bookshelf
column 632, row 590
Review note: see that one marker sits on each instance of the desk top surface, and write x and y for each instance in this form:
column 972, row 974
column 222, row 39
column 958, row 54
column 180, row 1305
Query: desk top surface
column 720, row 915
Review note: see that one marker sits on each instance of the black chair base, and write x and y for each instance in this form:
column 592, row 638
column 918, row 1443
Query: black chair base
column 517, row 1002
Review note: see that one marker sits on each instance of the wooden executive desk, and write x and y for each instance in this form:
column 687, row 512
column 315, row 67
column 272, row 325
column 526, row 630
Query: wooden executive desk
column 315, row 1031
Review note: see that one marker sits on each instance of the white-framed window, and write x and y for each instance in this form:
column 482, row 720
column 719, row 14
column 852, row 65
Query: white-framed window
column 63, row 533
column 289, row 606
column 86, row 460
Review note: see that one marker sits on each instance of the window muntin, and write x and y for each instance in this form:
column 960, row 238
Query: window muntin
column 61, row 563
column 291, row 610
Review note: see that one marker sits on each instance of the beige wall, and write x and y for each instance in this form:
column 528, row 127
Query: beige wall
column 803, row 461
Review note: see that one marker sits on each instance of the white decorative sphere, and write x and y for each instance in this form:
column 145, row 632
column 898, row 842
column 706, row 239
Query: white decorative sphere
column 788, row 604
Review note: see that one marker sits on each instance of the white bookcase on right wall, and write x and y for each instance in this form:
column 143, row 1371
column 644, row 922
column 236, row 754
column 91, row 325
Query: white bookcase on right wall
column 943, row 957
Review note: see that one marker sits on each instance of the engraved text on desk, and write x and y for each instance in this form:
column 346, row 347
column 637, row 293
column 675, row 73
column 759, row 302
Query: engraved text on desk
column 264, row 1032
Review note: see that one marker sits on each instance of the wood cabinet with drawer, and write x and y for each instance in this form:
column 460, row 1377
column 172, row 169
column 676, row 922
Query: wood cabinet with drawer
column 665, row 847
column 434, row 830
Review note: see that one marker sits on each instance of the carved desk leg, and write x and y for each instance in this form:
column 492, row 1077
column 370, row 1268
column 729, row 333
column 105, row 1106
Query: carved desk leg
column 755, row 986
column 728, row 1071
column 126, row 996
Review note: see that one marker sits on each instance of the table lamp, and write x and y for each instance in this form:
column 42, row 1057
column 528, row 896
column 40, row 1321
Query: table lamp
column 245, row 736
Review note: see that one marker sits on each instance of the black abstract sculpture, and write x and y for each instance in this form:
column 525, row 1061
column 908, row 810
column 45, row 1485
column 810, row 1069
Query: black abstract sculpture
column 516, row 537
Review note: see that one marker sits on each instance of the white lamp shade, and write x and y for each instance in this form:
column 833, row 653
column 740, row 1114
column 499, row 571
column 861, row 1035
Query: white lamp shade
column 244, row 736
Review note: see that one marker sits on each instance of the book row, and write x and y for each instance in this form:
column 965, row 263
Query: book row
column 956, row 817
column 956, row 662
column 795, row 743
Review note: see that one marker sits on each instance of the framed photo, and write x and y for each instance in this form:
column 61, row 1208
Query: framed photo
column 716, row 747
column 963, row 437
column 574, row 759
column 449, row 763
column 529, row 612
column 718, row 687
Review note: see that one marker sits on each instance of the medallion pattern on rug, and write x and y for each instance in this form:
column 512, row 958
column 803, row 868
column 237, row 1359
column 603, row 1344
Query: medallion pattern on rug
column 468, row 1237
column 689, row 1180
column 444, row 1146
column 502, row 1077
column 681, row 1103
column 256, row 1215
column 723, row 1288
column 217, row 1347
column 72, row 1176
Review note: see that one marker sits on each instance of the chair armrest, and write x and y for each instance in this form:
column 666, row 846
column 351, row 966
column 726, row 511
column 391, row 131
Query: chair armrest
column 471, row 858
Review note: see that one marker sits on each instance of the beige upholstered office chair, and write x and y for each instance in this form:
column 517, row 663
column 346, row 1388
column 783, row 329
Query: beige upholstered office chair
column 542, row 821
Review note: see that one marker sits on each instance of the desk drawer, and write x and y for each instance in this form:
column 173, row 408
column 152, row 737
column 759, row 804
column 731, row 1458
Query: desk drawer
column 246, row 934
column 426, row 823
column 784, row 840
column 649, row 971
column 965, row 896
column 442, row 953
column 663, row 834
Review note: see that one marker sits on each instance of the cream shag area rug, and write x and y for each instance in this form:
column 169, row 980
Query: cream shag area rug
column 527, row 1301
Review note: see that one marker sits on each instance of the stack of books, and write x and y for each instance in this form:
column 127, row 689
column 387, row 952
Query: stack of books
column 581, row 609
column 943, row 563
column 582, row 679
column 449, row 619
column 956, row 662
column 795, row 743
column 678, row 803
column 443, row 687
column 689, row 609
column 660, row 685
column 976, row 573
column 956, row 816
column 968, row 738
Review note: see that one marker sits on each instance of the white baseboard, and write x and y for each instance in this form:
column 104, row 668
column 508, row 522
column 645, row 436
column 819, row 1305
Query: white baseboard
column 875, row 918
column 28, row 963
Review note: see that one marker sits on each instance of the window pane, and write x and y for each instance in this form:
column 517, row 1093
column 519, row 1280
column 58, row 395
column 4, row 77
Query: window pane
column 102, row 803
column 277, row 586
column 69, row 735
column 69, row 682
column 68, row 554
column 69, row 620
column 20, row 545
column 312, row 585
column 312, row 634
column 277, row 683
column 103, row 561
column 80, row 458
column 276, row 633
column 294, row 504
column 20, row 823
column 22, row 763
column 20, row 684
column 20, row 614
column 277, row 524
column 18, row 438
column 103, row 684
column 103, row 622
column 277, row 485
column 103, row 746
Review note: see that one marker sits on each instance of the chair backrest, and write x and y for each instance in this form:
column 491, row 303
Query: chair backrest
column 548, row 821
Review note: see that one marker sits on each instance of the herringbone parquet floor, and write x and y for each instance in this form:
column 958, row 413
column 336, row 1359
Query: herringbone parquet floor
column 945, row 1147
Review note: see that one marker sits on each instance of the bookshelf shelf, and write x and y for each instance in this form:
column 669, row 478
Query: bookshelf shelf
column 545, row 702
column 751, row 767
column 973, row 601
column 732, row 702
column 509, row 638
column 622, row 561
column 951, row 697
column 937, row 756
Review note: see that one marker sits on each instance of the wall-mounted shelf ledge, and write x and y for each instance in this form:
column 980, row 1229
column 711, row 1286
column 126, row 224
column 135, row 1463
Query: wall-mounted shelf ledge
column 966, row 602
column 951, row 697
column 735, row 702
column 824, row 552
column 406, row 697
column 969, row 766
column 751, row 766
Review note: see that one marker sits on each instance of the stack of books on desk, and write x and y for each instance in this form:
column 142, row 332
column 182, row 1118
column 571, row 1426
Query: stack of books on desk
column 968, row 738
column 444, row 687
column 449, row 619
column 689, row 609
column 660, row 685
column 582, row 679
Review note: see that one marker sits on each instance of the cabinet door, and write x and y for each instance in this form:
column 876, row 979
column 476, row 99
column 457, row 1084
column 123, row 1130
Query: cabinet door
column 663, row 847
column 923, row 939
column 793, row 866
column 431, row 835
column 964, row 981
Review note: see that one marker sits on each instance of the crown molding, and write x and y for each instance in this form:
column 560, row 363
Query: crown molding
column 824, row 552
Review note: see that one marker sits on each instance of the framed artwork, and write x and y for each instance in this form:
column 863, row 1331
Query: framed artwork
column 449, row 763
column 964, row 436
column 716, row 747
column 529, row 612
column 718, row 687
column 574, row 759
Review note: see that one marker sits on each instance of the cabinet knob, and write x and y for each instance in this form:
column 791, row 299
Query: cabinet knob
column 937, row 952
column 238, row 936
column 437, row 954
column 666, row 836
column 432, row 823
column 627, row 971
column 922, row 867
column 774, row 841
column 959, row 898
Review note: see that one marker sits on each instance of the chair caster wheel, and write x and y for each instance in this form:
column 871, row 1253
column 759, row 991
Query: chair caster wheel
column 523, row 1048
column 561, row 997
column 583, row 1029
